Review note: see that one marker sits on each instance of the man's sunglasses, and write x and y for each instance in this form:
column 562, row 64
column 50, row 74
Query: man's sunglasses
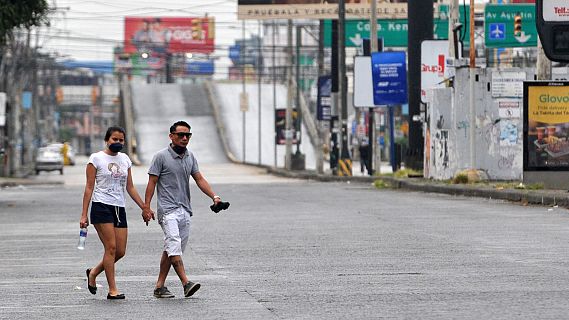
column 183, row 134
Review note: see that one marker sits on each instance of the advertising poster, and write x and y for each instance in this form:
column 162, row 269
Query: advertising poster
column 546, row 121
column 389, row 73
column 160, row 35
column 324, row 101
column 434, row 69
column 280, row 126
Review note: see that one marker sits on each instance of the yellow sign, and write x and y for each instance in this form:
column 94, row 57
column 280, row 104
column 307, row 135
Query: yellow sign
column 548, row 104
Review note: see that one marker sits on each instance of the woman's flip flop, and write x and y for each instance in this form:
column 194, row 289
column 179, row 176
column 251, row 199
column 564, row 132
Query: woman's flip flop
column 93, row 289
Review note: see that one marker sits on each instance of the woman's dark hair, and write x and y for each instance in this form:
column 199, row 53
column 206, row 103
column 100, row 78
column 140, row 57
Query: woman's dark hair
column 110, row 131
column 179, row 123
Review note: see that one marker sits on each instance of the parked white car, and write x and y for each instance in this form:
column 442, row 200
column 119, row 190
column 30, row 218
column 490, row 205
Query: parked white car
column 49, row 159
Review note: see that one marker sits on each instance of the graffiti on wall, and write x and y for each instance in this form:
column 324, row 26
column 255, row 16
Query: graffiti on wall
column 440, row 149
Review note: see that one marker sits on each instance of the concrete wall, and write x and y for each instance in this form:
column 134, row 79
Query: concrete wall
column 498, row 134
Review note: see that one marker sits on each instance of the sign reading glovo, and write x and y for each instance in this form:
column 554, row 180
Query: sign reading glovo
column 546, row 125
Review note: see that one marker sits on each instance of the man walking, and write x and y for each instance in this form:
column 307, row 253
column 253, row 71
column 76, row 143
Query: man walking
column 169, row 173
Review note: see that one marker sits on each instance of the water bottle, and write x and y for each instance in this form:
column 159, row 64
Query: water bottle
column 82, row 238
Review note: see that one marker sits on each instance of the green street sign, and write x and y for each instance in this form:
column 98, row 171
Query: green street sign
column 500, row 22
column 393, row 32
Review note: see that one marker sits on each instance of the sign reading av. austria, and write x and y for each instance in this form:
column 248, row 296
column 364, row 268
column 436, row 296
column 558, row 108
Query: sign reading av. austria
column 555, row 10
column 159, row 35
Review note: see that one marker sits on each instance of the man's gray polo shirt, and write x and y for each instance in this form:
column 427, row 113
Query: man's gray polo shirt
column 173, row 172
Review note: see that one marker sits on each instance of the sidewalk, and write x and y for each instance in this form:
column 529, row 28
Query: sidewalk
column 541, row 197
column 547, row 197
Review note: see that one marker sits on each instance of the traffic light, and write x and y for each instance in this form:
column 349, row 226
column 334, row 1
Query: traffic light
column 518, row 25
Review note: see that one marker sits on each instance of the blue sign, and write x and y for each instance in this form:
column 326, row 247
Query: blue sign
column 26, row 100
column 324, row 101
column 497, row 31
column 389, row 73
column 234, row 52
column 201, row 67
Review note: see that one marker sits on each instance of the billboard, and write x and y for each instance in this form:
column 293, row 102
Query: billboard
column 316, row 9
column 389, row 73
column 546, row 126
column 434, row 69
column 162, row 35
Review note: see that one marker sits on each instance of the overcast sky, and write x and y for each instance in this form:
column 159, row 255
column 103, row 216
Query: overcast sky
column 89, row 29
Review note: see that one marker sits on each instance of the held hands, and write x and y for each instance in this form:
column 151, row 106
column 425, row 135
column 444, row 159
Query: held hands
column 147, row 214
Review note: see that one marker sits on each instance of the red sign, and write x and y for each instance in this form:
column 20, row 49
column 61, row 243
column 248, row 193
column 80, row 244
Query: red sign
column 169, row 35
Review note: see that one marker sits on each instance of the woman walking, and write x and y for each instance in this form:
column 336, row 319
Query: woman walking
column 108, row 173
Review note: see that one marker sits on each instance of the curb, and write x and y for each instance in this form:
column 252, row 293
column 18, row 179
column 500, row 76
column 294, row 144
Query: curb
column 539, row 197
column 15, row 182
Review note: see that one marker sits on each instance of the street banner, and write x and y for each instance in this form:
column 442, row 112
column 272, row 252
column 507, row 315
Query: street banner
column 280, row 126
column 434, row 69
column 389, row 73
column 546, row 125
column 500, row 23
column 324, row 101
column 27, row 100
column 316, row 9
column 161, row 35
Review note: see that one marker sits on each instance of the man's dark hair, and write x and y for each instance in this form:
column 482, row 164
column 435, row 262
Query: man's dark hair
column 179, row 123
column 110, row 131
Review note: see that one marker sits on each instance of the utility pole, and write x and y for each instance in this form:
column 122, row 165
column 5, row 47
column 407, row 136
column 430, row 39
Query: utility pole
column 259, row 55
column 472, row 110
column 373, row 161
column 452, row 31
column 244, row 99
column 420, row 13
column 543, row 64
column 288, row 118
column 345, row 163
column 322, row 131
column 298, row 122
column 274, row 85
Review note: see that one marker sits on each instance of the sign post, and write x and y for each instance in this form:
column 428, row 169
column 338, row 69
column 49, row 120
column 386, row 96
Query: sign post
column 389, row 73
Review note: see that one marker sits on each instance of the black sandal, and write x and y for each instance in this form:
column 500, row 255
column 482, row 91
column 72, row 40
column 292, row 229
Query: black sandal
column 119, row 296
column 93, row 289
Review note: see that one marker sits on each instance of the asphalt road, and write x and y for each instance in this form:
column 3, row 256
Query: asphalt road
column 293, row 249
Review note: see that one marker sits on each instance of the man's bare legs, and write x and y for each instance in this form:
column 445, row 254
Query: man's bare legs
column 165, row 263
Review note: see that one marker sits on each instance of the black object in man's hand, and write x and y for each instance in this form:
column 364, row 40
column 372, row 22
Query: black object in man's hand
column 219, row 206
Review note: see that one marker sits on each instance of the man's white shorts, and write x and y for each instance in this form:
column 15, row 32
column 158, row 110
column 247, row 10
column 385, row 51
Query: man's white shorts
column 176, row 227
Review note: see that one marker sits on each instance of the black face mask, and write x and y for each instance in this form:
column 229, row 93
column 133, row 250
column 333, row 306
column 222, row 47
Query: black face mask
column 115, row 147
column 179, row 150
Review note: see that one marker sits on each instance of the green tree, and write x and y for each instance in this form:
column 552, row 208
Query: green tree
column 21, row 14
